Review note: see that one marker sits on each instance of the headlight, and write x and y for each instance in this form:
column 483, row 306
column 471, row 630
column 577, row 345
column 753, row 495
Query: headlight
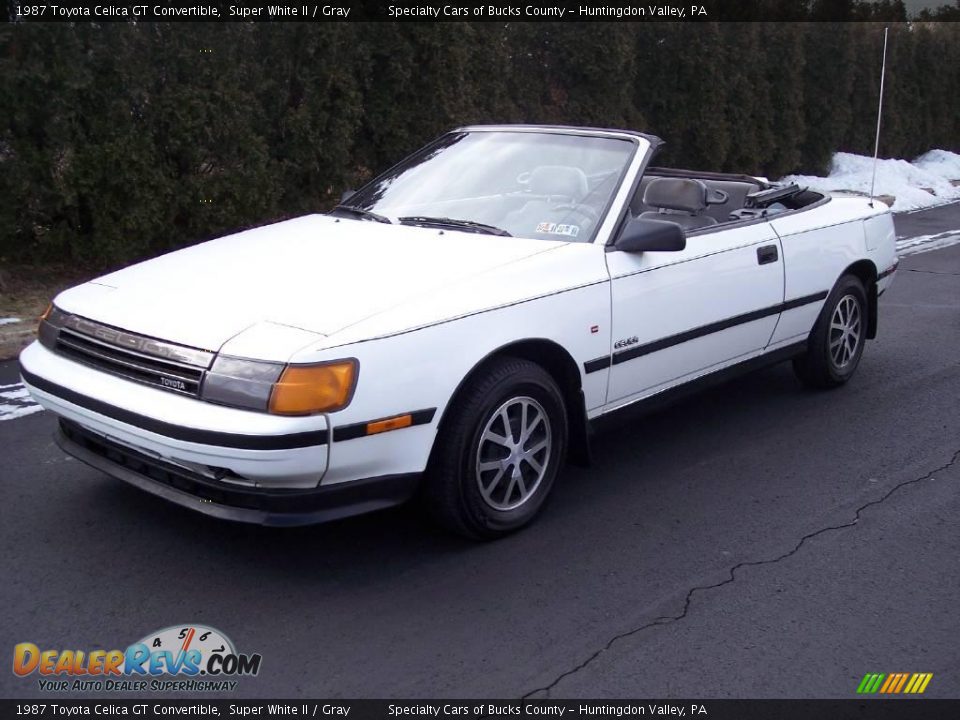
column 308, row 389
column 240, row 383
column 278, row 388
column 50, row 323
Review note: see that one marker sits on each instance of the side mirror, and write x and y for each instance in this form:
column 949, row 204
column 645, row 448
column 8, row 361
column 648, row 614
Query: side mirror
column 346, row 195
column 642, row 234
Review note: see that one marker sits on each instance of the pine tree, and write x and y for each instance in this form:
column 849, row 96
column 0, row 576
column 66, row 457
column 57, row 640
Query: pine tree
column 785, row 65
column 747, row 96
column 828, row 88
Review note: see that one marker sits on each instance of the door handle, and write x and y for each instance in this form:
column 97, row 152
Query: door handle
column 767, row 254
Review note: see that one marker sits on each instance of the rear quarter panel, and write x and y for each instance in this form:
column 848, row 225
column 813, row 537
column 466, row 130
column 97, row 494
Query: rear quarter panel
column 819, row 244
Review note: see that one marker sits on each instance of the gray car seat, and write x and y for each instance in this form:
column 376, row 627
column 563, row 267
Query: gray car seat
column 736, row 191
column 558, row 181
column 678, row 200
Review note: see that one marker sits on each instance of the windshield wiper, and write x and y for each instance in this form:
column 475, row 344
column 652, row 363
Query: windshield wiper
column 454, row 223
column 364, row 213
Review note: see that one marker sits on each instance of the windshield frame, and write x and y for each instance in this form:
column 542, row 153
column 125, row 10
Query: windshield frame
column 629, row 164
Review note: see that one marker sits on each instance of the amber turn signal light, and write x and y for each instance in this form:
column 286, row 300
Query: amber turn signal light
column 393, row 423
column 46, row 313
column 309, row 389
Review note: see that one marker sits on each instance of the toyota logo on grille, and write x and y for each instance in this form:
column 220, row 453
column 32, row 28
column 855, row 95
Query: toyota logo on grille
column 173, row 383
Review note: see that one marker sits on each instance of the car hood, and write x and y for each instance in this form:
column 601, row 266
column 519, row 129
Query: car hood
column 316, row 273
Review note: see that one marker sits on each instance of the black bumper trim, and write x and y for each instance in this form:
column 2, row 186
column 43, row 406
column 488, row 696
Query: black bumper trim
column 889, row 271
column 178, row 432
column 260, row 506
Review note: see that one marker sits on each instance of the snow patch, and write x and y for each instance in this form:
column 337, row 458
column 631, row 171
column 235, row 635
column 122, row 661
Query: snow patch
column 922, row 183
column 926, row 243
column 12, row 412
column 16, row 392
column 9, row 321
column 15, row 402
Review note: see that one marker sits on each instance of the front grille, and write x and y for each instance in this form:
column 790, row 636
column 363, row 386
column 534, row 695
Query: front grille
column 134, row 357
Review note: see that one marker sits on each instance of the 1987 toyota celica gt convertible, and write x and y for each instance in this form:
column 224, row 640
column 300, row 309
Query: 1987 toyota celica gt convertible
column 456, row 327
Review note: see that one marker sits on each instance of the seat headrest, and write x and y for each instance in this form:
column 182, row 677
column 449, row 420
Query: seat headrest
column 676, row 194
column 558, row 180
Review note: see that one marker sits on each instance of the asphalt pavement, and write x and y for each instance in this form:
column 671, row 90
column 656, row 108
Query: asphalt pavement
column 757, row 540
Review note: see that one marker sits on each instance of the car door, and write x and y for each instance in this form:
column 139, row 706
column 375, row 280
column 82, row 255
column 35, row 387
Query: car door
column 677, row 315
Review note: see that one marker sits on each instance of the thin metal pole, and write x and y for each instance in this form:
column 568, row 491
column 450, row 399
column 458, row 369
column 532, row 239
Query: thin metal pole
column 876, row 145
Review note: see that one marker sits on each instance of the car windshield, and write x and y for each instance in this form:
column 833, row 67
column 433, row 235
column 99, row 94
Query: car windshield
column 541, row 185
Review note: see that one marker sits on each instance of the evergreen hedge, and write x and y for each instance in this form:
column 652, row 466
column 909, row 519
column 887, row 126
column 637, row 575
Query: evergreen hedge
column 118, row 141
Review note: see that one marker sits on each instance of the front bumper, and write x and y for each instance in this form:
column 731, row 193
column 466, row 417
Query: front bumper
column 252, row 505
column 247, row 447
column 226, row 462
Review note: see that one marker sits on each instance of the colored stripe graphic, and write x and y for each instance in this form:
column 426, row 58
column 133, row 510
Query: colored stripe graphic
column 870, row 683
column 894, row 683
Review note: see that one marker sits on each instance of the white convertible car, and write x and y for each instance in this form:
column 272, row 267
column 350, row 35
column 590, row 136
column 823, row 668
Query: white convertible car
column 455, row 328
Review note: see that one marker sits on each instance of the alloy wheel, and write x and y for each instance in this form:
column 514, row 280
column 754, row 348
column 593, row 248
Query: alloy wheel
column 513, row 453
column 845, row 331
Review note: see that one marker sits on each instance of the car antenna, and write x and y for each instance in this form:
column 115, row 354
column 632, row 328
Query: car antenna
column 876, row 144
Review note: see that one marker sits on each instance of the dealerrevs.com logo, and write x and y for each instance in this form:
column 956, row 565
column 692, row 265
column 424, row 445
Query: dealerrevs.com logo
column 178, row 658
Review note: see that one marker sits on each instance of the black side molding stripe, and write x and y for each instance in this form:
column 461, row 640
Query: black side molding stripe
column 600, row 363
column 178, row 432
column 668, row 342
column 357, row 430
column 805, row 300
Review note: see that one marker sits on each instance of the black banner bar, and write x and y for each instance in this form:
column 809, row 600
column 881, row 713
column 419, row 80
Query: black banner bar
column 453, row 11
column 900, row 708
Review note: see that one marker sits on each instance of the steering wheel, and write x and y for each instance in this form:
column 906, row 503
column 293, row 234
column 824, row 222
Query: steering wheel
column 585, row 210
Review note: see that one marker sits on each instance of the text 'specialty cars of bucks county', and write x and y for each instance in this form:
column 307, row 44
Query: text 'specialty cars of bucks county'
column 456, row 327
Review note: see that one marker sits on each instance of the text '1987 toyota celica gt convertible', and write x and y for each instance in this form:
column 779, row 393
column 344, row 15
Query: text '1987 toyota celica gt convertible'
column 454, row 329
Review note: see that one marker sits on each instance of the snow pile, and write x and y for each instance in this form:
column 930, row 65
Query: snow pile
column 9, row 321
column 940, row 162
column 922, row 183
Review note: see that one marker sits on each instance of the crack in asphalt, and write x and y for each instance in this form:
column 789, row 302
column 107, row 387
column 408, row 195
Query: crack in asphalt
column 666, row 620
column 931, row 272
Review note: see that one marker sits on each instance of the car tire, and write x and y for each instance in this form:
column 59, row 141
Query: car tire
column 836, row 342
column 481, row 482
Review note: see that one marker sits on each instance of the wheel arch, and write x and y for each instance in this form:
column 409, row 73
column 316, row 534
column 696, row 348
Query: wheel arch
column 561, row 366
column 866, row 272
